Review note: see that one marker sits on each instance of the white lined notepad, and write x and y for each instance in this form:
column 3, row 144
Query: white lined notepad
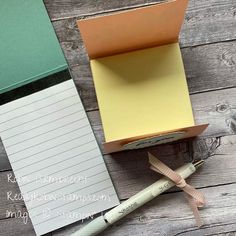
column 55, row 157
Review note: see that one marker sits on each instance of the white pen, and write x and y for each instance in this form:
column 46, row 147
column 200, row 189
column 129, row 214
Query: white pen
column 101, row 223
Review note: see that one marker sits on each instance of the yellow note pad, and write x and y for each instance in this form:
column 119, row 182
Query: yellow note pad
column 142, row 92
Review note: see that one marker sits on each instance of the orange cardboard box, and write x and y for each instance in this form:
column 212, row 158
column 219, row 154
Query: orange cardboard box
column 139, row 76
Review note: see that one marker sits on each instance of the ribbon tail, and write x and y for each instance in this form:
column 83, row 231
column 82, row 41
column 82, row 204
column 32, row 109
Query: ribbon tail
column 195, row 198
column 195, row 211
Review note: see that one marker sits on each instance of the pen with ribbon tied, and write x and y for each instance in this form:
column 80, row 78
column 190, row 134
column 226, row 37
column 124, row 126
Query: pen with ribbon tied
column 172, row 178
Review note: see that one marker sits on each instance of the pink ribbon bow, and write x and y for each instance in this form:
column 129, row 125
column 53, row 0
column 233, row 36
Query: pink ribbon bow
column 195, row 198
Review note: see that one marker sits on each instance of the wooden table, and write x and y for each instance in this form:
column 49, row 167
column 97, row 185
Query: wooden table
column 209, row 53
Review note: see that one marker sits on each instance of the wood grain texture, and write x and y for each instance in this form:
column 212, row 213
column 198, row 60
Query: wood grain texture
column 15, row 227
column 206, row 21
column 209, row 21
column 67, row 9
column 218, row 108
column 208, row 48
column 156, row 218
column 218, row 185
column 208, row 68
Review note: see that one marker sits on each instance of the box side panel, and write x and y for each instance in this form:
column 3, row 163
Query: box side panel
column 189, row 132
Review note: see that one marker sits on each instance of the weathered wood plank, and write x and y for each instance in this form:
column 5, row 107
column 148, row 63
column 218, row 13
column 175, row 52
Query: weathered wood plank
column 217, row 70
column 16, row 227
column 14, row 218
column 209, row 22
column 8, row 186
column 127, row 179
column 225, row 234
column 18, row 224
column 129, row 164
column 170, row 215
column 125, row 169
column 208, row 67
column 169, row 149
column 4, row 161
column 205, row 21
column 126, row 173
column 205, row 66
column 218, row 108
column 66, row 9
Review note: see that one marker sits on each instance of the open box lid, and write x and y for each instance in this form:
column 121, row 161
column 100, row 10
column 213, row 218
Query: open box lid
column 134, row 29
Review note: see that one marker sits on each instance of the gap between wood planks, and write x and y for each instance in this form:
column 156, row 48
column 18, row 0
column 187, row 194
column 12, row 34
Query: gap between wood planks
column 219, row 169
column 219, row 225
column 109, row 8
column 212, row 179
column 207, row 17
column 208, row 54
column 156, row 215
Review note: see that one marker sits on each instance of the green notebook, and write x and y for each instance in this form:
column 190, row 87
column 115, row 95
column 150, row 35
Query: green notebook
column 29, row 48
